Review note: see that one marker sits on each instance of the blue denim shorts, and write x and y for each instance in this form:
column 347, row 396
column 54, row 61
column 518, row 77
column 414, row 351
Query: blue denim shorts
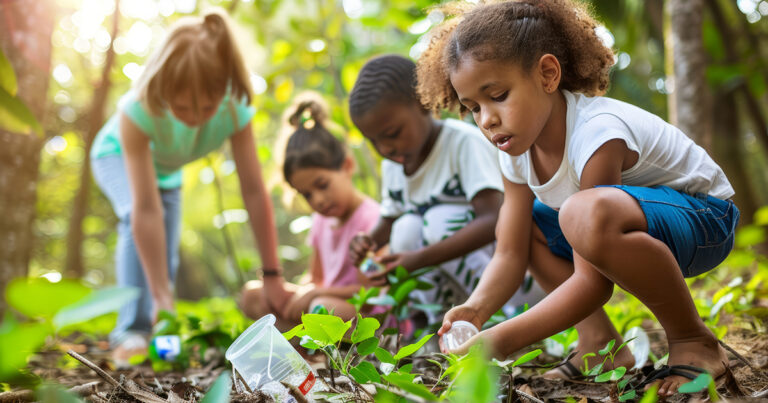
column 699, row 229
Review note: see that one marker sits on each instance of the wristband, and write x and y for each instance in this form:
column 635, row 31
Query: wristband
column 270, row 272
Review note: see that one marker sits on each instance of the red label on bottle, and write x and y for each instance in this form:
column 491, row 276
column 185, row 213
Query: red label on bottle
column 307, row 384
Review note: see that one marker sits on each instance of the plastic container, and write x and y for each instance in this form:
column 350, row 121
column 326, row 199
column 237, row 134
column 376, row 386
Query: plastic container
column 458, row 334
column 369, row 266
column 167, row 348
column 263, row 356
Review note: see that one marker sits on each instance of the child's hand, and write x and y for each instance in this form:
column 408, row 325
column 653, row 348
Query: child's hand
column 409, row 261
column 461, row 312
column 359, row 247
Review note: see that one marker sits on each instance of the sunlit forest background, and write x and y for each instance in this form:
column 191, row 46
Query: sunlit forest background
column 98, row 48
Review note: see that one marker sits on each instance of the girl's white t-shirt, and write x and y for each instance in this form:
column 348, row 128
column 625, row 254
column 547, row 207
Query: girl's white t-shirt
column 666, row 155
column 461, row 163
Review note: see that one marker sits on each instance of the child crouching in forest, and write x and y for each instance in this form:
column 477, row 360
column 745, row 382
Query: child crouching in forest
column 318, row 167
column 597, row 192
column 441, row 188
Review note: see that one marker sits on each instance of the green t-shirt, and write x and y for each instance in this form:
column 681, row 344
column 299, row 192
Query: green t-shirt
column 172, row 142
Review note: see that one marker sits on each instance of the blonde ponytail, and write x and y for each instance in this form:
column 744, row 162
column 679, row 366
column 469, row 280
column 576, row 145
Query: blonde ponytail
column 198, row 54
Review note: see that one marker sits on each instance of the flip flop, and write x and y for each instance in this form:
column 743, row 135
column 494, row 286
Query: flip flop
column 687, row 371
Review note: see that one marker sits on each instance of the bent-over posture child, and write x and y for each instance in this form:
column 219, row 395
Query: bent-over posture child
column 441, row 186
column 318, row 167
column 193, row 96
column 597, row 192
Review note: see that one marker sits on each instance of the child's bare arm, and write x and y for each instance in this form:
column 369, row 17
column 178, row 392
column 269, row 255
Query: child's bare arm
column 505, row 272
column 476, row 234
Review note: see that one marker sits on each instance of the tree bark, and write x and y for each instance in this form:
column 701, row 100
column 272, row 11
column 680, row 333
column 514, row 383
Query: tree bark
column 25, row 39
column 74, row 262
column 686, row 66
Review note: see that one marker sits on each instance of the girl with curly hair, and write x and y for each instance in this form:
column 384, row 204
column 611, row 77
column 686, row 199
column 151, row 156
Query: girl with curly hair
column 597, row 192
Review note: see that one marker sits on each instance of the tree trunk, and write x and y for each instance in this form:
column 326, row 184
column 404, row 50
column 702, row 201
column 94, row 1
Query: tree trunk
column 686, row 67
column 25, row 39
column 74, row 263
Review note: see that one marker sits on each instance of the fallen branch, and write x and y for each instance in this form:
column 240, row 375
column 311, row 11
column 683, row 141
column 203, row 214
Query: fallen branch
column 17, row 396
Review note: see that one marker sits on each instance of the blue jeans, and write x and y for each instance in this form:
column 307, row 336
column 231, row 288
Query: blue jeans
column 111, row 176
column 698, row 229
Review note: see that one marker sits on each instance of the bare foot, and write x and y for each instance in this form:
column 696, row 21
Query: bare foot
column 623, row 358
column 705, row 353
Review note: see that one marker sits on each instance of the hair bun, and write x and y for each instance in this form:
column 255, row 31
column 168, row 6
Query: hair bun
column 214, row 23
column 308, row 113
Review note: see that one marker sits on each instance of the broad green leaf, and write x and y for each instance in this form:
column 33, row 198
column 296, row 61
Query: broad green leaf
column 7, row 76
column 412, row 348
column 697, row 385
column 294, row 332
column 594, row 371
column 308, row 342
column 651, row 395
column 365, row 372
column 475, row 379
column 404, row 289
column 405, row 382
column 610, row 376
column 219, row 392
column 401, row 273
column 406, row 369
column 50, row 393
column 628, row 396
column 367, row 346
column 384, row 356
column 527, row 357
column 325, row 329
column 96, row 304
column 16, row 117
column 38, row 297
column 384, row 300
column 17, row 343
column 366, row 328
column 608, row 347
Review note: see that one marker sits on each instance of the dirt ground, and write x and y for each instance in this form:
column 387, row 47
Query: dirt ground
column 749, row 366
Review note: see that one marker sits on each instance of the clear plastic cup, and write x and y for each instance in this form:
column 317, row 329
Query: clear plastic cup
column 458, row 334
column 263, row 356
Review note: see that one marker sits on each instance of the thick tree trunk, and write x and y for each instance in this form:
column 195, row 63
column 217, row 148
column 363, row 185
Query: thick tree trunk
column 74, row 264
column 25, row 39
column 686, row 67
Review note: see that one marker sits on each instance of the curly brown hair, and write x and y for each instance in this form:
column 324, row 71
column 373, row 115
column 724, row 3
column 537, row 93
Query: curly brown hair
column 520, row 31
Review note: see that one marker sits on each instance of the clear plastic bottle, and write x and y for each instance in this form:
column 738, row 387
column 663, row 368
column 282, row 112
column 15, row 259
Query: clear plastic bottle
column 458, row 334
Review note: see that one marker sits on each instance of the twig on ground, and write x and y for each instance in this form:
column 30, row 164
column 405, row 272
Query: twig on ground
column 96, row 369
column 240, row 378
column 739, row 356
column 17, row 396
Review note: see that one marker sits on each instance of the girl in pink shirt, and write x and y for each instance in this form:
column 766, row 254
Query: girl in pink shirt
column 319, row 168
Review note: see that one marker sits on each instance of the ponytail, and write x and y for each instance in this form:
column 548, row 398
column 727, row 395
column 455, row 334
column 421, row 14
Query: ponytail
column 200, row 55
column 311, row 145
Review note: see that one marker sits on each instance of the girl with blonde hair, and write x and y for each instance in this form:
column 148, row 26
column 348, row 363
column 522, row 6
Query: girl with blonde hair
column 193, row 96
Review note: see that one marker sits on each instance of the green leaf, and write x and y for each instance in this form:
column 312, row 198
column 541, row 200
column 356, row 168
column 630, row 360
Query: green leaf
column 612, row 375
column 608, row 347
column 96, row 304
column 401, row 273
column 527, row 357
column 384, row 356
column 412, row 348
column 365, row 329
column 404, row 289
column 749, row 235
column 16, row 117
column 367, row 346
column 365, row 372
column 761, row 216
column 325, row 329
column 595, row 370
column 384, row 300
column 405, row 382
column 38, row 297
column 697, row 385
column 7, row 76
column 50, row 393
column 651, row 395
column 219, row 392
column 308, row 342
column 475, row 379
column 406, row 369
column 17, row 343
column 627, row 396
column 294, row 332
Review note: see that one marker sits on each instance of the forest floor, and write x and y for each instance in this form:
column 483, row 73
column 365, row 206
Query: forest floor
column 749, row 366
